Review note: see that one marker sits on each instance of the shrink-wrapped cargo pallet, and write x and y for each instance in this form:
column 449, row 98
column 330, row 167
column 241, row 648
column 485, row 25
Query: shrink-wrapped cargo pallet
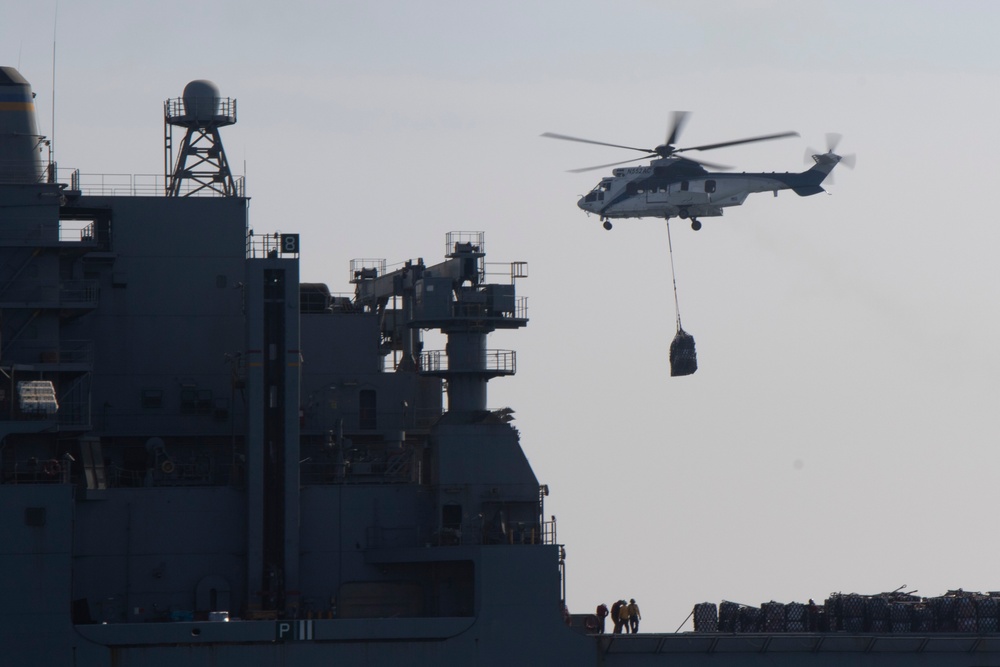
column 986, row 614
column 774, row 616
column 706, row 617
column 923, row 618
column 683, row 358
column 729, row 617
column 795, row 617
column 900, row 617
column 751, row 619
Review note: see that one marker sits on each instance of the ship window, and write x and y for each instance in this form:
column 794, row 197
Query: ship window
column 189, row 399
column 709, row 186
column 367, row 409
column 451, row 516
column 203, row 404
column 76, row 230
column 684, row 186
column 221, row 410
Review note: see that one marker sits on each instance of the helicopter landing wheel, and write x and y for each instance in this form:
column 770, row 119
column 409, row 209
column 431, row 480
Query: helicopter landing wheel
column 607, row 225
column 695, row 224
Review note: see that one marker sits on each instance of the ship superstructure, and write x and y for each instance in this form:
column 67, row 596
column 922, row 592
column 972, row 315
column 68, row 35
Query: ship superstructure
column 219, row 440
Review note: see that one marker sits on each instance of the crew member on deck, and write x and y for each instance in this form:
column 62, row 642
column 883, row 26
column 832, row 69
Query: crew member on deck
column 633, row 615
column 623, row 616
column 616, row 610
column 602, row 613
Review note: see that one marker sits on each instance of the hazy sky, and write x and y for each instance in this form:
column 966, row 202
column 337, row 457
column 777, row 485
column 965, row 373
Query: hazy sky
column 841, row 431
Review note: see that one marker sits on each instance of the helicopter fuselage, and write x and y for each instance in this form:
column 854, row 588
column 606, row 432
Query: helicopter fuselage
column 677, row 187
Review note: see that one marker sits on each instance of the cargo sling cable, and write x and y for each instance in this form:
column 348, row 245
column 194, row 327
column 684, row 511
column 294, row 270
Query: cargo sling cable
column 683, row 359
column 673, row 277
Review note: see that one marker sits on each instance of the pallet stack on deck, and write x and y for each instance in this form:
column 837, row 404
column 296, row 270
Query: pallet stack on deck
column 986, row 614
column 883, row 613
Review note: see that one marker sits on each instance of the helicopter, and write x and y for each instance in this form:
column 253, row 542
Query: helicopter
column 678, row 186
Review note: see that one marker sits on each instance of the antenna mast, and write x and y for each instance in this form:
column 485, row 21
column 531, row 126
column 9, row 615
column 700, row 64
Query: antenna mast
column 52, row 138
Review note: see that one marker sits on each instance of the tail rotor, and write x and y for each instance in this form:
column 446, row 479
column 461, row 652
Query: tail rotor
column 833, row 140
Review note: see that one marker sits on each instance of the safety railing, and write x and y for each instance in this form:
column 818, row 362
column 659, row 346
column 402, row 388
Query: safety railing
column 137, row 185
column 472, row 532
column 495, row 362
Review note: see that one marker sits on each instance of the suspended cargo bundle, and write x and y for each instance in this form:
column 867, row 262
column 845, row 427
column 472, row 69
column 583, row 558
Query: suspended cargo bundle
column 683, row 359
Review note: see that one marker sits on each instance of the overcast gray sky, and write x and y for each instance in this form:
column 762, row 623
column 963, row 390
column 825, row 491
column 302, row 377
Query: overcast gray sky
column 840, row 433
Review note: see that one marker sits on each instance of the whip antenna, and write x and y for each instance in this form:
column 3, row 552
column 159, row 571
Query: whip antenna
column 52, row 137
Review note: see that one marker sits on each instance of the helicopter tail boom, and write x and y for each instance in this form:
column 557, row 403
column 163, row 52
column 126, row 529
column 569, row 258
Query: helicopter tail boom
column 808, row 182
column 806, row 190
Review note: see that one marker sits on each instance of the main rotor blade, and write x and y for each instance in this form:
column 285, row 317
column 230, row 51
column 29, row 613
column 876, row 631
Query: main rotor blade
column 710, row 165
column 553, row 135
column 605, row 166
column 766, row 137
column 680, row 117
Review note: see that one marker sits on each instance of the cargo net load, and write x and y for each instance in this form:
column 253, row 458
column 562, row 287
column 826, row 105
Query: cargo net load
column 890, row 613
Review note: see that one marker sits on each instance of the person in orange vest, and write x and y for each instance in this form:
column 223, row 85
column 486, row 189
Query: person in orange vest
column 623, row 615
column 633, row 615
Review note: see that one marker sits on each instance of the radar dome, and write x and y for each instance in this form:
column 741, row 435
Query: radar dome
column 201, row 100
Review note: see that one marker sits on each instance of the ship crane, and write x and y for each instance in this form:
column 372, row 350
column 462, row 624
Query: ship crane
column 451, row 296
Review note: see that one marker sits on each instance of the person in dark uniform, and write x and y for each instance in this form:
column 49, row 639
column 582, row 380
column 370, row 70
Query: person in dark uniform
column 616, row 616
column 602, row 613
